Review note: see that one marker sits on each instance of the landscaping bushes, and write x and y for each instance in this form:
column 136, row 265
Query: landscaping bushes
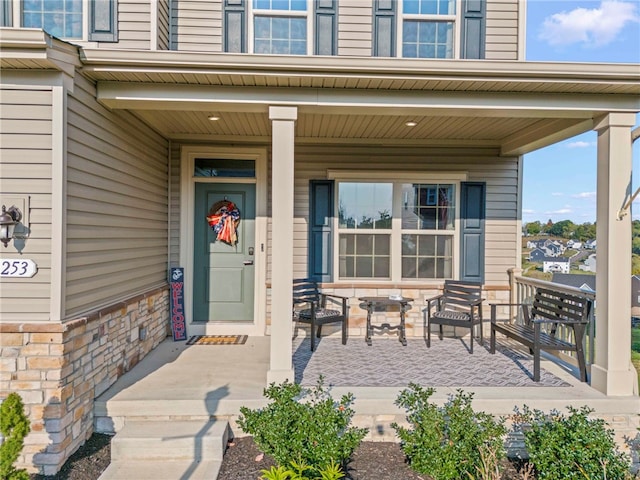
column 14, row 426
column 308, row 434
column 304, row 427
column 451, row 442
column 571, row 447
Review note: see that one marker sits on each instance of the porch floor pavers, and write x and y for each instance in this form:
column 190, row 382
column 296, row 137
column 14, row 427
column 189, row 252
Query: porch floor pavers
column 180, row 380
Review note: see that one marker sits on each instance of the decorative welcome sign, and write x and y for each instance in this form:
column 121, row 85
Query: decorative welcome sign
column 178, row 323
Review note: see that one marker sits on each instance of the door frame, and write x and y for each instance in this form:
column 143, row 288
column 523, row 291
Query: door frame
column 188, row 154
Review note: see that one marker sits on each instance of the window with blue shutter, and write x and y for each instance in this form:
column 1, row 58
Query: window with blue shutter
column 281, row 27
column 235, row 26
column 326, row 26
column 384, row 28
column 473, row 29
column 103, row 20
column 320, row 230
column 472, row 227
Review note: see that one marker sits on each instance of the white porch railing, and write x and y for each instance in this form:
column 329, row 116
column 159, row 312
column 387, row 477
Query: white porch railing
column 523, row 290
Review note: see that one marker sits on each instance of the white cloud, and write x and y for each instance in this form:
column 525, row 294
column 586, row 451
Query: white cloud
column 585, row 195
column 528, row 211
column 591, row 26
column 580, row 144
column 561, row 211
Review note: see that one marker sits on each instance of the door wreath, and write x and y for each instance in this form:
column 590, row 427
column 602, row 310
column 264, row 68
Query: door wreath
column 224, row 218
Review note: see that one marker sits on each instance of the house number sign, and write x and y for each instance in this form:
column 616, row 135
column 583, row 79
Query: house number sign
column 21, row 268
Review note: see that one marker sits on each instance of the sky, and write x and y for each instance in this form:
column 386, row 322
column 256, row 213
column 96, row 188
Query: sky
column 560, row 180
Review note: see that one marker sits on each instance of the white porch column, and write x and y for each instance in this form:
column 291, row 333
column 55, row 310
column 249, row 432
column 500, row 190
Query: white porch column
column 283, row 133
column 612, row 373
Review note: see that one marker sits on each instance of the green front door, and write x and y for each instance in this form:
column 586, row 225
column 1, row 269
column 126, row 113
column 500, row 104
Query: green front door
column 223, row 274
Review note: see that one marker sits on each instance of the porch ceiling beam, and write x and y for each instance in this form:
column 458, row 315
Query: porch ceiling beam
column 396, row 142
column 543, row 135
column 120, row 95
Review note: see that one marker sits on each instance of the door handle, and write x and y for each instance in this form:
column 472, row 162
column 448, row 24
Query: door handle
column 248, row 262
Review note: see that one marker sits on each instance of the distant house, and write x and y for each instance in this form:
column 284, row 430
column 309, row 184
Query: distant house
column 590, row 244
column 586, row 283
column 537, row 255
column 556, row 265
column 589, row 265
column 574, row 245
column 554, row 249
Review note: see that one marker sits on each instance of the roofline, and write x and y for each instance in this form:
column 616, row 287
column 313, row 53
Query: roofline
column 31, row 43
column 364, row 66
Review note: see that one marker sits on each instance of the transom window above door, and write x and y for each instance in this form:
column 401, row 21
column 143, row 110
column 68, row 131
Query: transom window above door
column 396, row 230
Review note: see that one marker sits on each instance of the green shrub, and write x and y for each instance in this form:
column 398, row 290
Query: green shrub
column 452, row 441
column 306, row 426
column 14, row 426
column 571, row 447
column 301, row 471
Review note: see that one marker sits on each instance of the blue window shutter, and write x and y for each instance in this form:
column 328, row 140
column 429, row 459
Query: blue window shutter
column 326, row 30
column 6, row 14
column 103, row 20
column 235, row 26
column 384, row 28
column 320, row 233
column 472, row 224
column 473, row 29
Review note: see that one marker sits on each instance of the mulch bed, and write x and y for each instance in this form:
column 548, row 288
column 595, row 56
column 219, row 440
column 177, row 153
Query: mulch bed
column 371, row 461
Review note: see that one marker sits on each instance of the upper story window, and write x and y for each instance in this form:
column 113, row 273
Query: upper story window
column 82, row 20
column 428, row 28
column 60, row 18
column 281, row 27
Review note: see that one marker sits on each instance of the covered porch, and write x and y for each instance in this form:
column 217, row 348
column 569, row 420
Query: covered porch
column 303, row 111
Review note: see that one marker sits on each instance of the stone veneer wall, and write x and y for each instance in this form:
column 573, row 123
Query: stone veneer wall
column 414, row 318
column 60, row 368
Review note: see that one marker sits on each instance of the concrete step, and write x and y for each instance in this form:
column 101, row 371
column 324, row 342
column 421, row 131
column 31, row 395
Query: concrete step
column 189, row 440
column 165, row 470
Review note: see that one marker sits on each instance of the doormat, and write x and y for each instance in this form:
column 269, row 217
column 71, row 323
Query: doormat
column 217, row 340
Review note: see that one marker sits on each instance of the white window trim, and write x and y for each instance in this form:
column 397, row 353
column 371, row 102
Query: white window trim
column 16, row 7
column 309, row 14
column 454, row 178
column 456, row 19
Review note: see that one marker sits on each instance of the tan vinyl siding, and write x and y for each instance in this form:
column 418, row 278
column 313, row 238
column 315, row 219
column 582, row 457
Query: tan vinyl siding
column 500, row 174
column 134, row 24
column 26, row 119
column 502, row 30
column 163, row 24
column 174, row 207
column 197, row 25
column 355, row 26
column 117, row 204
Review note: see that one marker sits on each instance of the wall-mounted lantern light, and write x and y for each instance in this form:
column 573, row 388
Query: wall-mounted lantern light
column 8, row 220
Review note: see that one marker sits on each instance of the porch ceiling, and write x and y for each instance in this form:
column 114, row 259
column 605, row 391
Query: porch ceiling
column 512, row 107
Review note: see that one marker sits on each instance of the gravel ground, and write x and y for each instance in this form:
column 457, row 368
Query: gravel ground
column 371, row 461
